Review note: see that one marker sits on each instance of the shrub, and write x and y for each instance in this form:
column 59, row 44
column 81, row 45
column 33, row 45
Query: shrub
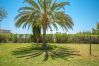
column 4, row 38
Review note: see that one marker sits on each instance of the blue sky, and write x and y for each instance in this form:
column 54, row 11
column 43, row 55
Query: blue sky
column 85, row 15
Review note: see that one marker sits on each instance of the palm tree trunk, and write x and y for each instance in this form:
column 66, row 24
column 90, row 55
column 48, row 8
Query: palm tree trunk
column 44, row 39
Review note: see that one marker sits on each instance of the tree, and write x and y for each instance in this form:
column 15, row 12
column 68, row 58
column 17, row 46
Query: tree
column 44, row 13
column 96, row 29
column 3, row 13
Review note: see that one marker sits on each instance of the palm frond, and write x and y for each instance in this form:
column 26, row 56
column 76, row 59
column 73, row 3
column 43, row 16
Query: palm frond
column 26, row 8
column 34, row 4
column 44, row 13
column 58, row 6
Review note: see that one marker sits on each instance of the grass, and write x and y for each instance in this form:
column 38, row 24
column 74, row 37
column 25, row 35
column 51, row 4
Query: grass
column 56, row 55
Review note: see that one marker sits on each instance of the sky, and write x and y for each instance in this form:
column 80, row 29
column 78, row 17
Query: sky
column 84, row 13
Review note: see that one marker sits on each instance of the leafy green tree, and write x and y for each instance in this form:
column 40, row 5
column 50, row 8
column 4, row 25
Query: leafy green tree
column 44, row 13
column 96, row 30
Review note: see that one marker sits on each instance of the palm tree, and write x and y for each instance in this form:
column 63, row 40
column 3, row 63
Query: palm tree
column 44, row 13
column 3, row 14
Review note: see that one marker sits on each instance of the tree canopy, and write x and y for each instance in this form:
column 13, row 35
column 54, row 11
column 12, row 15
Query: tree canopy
column 44, row 14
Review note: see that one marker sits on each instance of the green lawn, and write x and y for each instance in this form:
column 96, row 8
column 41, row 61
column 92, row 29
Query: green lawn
column 65, row 55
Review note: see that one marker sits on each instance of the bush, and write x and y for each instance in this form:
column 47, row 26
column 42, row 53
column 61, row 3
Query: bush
column 61, row 38
column 50, row 38
column 15, row 38
column 95, row 39
column 4, row 38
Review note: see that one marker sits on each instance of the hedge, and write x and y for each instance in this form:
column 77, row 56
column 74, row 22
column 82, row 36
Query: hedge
column 50, row 38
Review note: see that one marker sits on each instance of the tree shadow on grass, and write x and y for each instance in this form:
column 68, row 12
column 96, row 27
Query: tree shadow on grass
column 52, row 51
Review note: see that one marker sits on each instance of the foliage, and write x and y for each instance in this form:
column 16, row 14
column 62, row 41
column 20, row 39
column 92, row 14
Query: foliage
column 36, row 40
column 50, row 38
column 44, row 14
column 96, row 30
column 61, row 38
column 15, row 38
column 75, row 38
column 36, row 37
column 3, row 13
column 4, row 38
